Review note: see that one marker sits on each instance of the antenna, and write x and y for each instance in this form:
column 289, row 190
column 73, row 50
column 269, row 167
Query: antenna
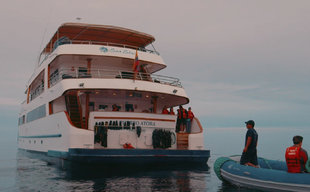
column 44, row 34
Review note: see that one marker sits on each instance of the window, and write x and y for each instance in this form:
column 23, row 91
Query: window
column 21, row 120
column 37, row 113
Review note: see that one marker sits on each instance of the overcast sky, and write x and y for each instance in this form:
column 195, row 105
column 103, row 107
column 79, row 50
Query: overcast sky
column 237, row 60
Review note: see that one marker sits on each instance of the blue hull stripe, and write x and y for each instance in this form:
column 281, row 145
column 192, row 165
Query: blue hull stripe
column 41, row 136
column 130, row 156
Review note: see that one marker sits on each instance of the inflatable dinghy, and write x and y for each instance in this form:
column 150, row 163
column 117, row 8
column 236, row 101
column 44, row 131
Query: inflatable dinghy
column 272, row 175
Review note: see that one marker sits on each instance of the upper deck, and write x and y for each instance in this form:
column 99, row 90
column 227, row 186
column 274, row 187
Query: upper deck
column 109, row 47
column 79, row 33
column 91, row 52
column 99, row 33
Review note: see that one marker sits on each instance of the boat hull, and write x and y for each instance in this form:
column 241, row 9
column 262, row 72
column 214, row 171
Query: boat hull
column 117, row 157
column 272, row 175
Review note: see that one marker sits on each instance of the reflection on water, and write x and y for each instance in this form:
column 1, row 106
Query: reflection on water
column 36, row 175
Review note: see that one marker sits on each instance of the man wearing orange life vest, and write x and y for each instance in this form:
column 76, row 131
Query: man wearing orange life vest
column 296, row 157
column 190, row 117
column 115, row 108
column 165, row 110
column 181, row 121
column 171, row 111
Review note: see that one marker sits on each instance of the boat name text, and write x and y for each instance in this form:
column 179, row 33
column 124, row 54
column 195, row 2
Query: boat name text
column 115, row 50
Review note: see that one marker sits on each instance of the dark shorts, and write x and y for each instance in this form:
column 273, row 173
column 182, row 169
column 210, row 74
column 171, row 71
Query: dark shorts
column 249, row 157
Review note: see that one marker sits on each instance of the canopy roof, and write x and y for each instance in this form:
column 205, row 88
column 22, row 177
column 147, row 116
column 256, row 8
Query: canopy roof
column 100, row 33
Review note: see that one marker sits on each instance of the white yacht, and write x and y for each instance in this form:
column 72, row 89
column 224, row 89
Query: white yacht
column 86, row 104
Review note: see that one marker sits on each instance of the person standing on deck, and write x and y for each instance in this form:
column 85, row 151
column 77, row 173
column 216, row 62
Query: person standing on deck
column 165, row 110
column 171, row 112
column 189, row 120
column 115, row 108
column 182, row 116
column 249, row 155
column 177, row 128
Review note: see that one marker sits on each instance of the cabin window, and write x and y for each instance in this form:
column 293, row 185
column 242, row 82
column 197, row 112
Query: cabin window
column 21, row 120
column 36, row 113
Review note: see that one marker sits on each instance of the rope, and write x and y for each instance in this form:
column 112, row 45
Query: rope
column 50, row 15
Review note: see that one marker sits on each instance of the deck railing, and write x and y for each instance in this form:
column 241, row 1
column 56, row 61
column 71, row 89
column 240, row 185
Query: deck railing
column 37, row 91
column 113, row 44
column 43, row 56
column 66, row 73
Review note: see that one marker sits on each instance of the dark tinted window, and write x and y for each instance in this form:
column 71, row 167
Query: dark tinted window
column 37, row 113
column 21, row 120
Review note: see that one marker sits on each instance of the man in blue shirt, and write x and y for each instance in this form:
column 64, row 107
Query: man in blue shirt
column 249, row 155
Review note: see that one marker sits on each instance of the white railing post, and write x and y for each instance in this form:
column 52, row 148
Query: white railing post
column 120, row 74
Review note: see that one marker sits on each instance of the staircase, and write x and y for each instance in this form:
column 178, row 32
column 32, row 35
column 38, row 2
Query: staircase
column 73, row 109
column 182, row 141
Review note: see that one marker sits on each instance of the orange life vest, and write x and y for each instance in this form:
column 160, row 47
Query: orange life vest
column 182, row 114
column 165, row 111
column 190, row 115
column 292, row 156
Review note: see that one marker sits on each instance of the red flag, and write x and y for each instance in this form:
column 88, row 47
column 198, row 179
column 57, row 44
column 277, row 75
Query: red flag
column 135, row 66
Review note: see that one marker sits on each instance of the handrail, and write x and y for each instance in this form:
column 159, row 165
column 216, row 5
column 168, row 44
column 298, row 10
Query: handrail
column 67, row 73
column 199, row 125
column 113, row 44
column 69, row 119
column 94, row 43
column 36, row 92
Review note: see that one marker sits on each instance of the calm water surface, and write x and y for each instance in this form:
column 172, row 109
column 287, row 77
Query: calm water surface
column 21, row 173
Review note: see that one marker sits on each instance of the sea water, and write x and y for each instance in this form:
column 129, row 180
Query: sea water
column 21, row 173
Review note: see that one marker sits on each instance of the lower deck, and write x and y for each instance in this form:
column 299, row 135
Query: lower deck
column 109, row 119
column 109, row 130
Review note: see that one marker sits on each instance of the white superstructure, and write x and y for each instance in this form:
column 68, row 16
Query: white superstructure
column 86, row 69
